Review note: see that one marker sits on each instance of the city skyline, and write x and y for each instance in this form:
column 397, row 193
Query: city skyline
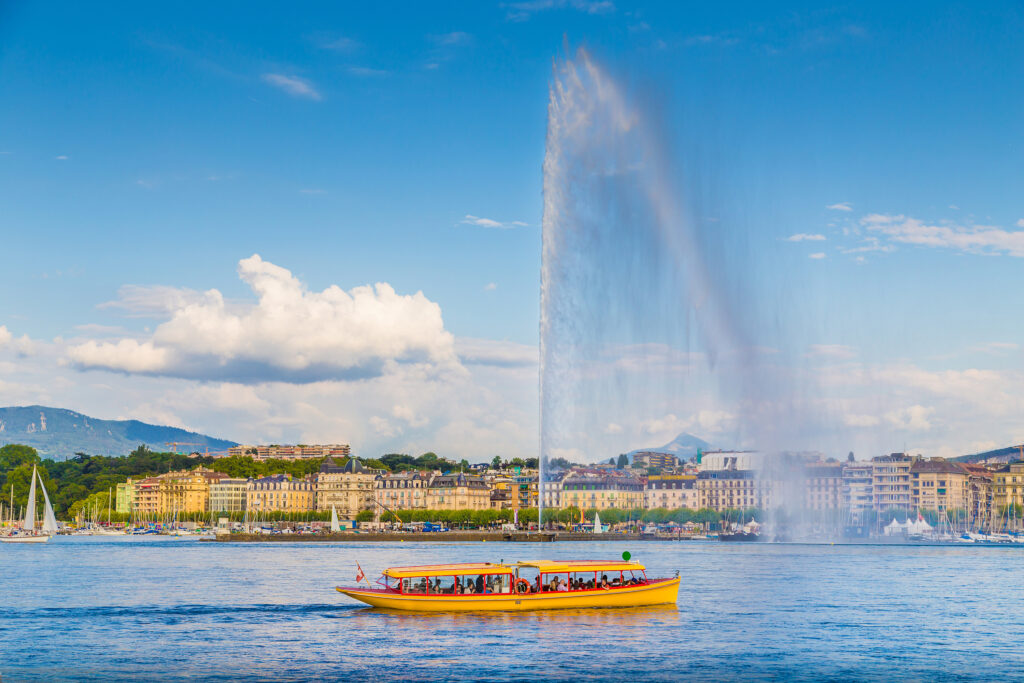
column 327, row 229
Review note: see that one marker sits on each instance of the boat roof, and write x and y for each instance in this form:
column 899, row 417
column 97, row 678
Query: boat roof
column 544, row 566
column 447, row 569
column 552, row 566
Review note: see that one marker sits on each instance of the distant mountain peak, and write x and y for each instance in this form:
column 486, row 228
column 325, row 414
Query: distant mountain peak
column 684, row 446
column 59, row 433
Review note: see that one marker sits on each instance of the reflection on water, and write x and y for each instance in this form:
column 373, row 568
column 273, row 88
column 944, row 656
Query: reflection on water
column 86, row 609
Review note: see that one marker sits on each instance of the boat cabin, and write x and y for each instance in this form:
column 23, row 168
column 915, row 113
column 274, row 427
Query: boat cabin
column 521, row 577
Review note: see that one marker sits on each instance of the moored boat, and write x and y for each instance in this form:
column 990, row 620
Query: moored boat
column 516, row 586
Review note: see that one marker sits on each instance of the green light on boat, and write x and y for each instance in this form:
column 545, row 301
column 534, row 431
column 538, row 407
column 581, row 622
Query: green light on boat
column 626, row 556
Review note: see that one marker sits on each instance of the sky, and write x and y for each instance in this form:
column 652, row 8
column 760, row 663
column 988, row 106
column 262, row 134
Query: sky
column 323, row 224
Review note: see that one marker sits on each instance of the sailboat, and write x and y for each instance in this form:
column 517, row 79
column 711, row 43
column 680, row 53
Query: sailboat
column 28, row 528
column 598, row 527
column 335, row 526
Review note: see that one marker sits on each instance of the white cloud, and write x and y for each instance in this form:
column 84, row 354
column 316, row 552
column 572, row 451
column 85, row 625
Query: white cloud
column 914, row 418
column 23, row 345
column 155, row 301
column 841, row 206
column 835, row 351
column 293, row 85
column 289, row 334
column 496, row 353
column 804, row 237
column 976, row 239
column 490, row 223
column 366, row 72
column 62, row 157
column 817, row 255
column 452, row 39
column 340, row 44
column 861, row 420
column 613, row 428
column 1020, row 223
column 490, row 287
column 521, row 11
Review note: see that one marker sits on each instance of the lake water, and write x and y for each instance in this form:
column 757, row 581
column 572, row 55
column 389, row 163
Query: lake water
column 168, row 609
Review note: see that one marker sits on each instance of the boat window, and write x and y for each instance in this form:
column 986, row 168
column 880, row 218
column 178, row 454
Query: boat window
column 555, row 582
column 532, row 577
column 498, row 583
column 442, row 585
column 416, row 584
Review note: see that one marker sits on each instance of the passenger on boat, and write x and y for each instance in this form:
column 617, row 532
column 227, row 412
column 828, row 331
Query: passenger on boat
column 562, row 585
column 604, row 582
column 480, row 584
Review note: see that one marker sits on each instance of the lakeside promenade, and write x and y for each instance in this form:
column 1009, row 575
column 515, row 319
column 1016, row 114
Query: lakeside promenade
column 433, row 537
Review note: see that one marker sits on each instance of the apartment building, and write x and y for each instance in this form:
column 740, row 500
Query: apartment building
column 458, row 492
column 671, row 492
column 348, row 488
column 602, row 491
column 280, row 493
column 299, row 452
column 228, row 495
column 402, row 490
column 890, row 482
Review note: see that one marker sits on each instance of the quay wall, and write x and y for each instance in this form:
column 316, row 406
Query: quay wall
column 442, row 537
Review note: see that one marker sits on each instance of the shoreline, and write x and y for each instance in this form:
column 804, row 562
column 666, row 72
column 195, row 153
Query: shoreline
column 431, row 537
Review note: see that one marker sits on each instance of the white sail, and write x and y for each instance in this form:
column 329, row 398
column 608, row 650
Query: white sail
column 598, row 529
column 30, row 509
column 334, row 520
column 49, row 519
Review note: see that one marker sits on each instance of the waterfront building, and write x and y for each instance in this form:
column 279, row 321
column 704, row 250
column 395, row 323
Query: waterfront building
column 601, row 491
column 731, row 460
column 228, row 495
column 939, row 485
column 349, row 488
column 146, row 497
column 551, row 489
column 186, row 491
column 890, row 482
column 280, row 493
column 125, row 497
column 730, row 489
column 653, row 459
column 458, row 492
column 401, row 490
column 671, row 491
column 1007, row 495
column 824, row 486
column 516, row 489
column 858, row 499
column 299, row 452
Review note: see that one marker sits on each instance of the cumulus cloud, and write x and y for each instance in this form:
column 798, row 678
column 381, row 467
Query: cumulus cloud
column 490, row 287
column 613, row 428
column 914, row 418
column 157, row 301
column 804, row 237
column 1020, row 223
column 490, row 223
column 817, row 255
column 289, row 334
column 496, row 353
column 841, row 206
column 23, row 345
column 452, row 39
column 293, row 85
column 972, row 238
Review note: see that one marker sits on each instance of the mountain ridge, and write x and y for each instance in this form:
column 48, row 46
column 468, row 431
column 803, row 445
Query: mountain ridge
column 684, row 447
column 59, row 433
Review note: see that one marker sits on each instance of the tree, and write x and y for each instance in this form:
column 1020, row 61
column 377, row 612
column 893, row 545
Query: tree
column 623, row 461
column 611, row 461
column 496, row 463
column 518, row 462
column 849, row 458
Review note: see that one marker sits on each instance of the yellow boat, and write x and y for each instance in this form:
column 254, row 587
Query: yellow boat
column 517, row 586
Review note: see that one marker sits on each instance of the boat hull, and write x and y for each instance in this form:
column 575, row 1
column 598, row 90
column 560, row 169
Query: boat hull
column 657, row 592
column 24, row 539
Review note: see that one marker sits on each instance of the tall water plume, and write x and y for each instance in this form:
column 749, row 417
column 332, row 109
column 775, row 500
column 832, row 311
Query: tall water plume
column 643, row 317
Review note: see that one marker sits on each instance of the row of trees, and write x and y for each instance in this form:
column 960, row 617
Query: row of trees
column 567, row 516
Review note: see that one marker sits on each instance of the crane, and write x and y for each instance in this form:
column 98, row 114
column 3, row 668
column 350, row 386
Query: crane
column 173, row 445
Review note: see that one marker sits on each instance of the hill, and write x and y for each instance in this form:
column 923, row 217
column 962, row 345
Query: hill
column 1008, row 454
column 58, row 434
column 683, row 447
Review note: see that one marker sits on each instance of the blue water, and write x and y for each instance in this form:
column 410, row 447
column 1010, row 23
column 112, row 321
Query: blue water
column 170, row 609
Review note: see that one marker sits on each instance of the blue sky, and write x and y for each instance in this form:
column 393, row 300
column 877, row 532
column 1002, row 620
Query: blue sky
column 157, row 148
